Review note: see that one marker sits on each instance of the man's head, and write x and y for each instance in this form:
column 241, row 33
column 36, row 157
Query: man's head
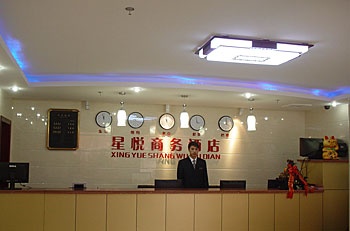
column 193, row 148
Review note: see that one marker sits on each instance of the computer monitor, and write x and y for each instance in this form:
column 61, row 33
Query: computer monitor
column 311, row 147
column 272, row 184
column 14, row 172
column 232, row 184
column 167, row 184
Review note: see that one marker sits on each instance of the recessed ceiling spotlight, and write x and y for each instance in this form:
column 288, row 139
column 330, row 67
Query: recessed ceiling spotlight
column 14, row 88
column 247, row 95
column 2, row 67
column 137, row 89
column 334, row 103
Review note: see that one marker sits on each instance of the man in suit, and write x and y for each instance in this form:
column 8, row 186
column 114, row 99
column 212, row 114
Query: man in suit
column 193, row 170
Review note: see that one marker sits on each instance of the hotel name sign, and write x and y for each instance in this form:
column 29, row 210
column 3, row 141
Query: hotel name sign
column 162, row 147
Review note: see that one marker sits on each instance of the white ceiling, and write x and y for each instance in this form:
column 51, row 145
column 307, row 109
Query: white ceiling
column 72, row 50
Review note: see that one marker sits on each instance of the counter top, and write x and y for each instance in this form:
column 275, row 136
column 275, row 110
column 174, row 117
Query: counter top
column 150, row 191
column 340, row 160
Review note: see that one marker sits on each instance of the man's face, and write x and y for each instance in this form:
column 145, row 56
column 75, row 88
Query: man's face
column 193, row 152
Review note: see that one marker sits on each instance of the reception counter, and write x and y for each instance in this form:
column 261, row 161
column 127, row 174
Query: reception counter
column 333, row 175
column 159, row 210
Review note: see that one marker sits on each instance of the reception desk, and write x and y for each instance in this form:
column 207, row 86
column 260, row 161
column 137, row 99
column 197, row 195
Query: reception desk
column 160, row 210
column 333, row 175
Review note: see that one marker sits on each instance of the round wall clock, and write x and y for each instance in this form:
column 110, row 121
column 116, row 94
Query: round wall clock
column 103, row 119
column 135, row 119
column 197, row 122
column 166, row 121
column 225, row 123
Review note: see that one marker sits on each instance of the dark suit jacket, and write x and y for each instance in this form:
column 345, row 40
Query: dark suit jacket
column 193, row 178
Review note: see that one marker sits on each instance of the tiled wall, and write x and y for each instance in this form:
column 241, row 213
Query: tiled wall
column 335, row 121
column 254, row 156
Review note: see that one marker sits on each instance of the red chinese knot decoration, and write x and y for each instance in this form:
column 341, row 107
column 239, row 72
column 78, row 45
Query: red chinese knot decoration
column 293, row 174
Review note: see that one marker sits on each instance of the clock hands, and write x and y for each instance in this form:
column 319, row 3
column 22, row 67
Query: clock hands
column 103, row 119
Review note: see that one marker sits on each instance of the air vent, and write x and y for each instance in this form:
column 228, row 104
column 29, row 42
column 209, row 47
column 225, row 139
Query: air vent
column 297, row 105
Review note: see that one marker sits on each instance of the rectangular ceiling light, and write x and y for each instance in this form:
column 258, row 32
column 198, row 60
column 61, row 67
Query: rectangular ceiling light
column 263, row 52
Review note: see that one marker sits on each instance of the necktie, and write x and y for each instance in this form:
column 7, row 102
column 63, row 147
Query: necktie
column 194, row 164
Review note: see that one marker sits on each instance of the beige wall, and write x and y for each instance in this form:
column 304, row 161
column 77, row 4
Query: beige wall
column 5, row 105
column 254, row 156
column 321, row 122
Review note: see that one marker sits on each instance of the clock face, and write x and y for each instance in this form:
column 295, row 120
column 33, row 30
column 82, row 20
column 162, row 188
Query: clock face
column 197, row 122
column 135, row 120
column 103, row 119
column 225, row 123
column 166, row 121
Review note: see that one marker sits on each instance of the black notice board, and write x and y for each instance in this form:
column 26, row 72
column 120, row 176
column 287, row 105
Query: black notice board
column 63, row 129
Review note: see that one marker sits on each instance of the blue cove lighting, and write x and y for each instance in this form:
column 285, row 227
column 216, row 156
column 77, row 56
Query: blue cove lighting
column 15, row 48
column 159, row 80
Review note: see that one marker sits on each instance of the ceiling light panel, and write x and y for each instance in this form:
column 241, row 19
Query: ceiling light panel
column 263, row 52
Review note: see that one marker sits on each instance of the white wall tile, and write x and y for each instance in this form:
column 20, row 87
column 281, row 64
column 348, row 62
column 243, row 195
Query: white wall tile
column 254, row 156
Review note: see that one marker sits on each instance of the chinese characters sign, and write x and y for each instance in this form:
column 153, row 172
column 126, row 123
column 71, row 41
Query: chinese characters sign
column 161, row 147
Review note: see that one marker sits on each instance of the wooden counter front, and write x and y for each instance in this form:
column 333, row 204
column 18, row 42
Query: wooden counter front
column 333, row 175
column 159, row 210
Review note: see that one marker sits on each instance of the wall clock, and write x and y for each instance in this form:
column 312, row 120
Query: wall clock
column 166, row 121
column 103, row 119
column 197, row 122
column 225, row 123
column 135, row 119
